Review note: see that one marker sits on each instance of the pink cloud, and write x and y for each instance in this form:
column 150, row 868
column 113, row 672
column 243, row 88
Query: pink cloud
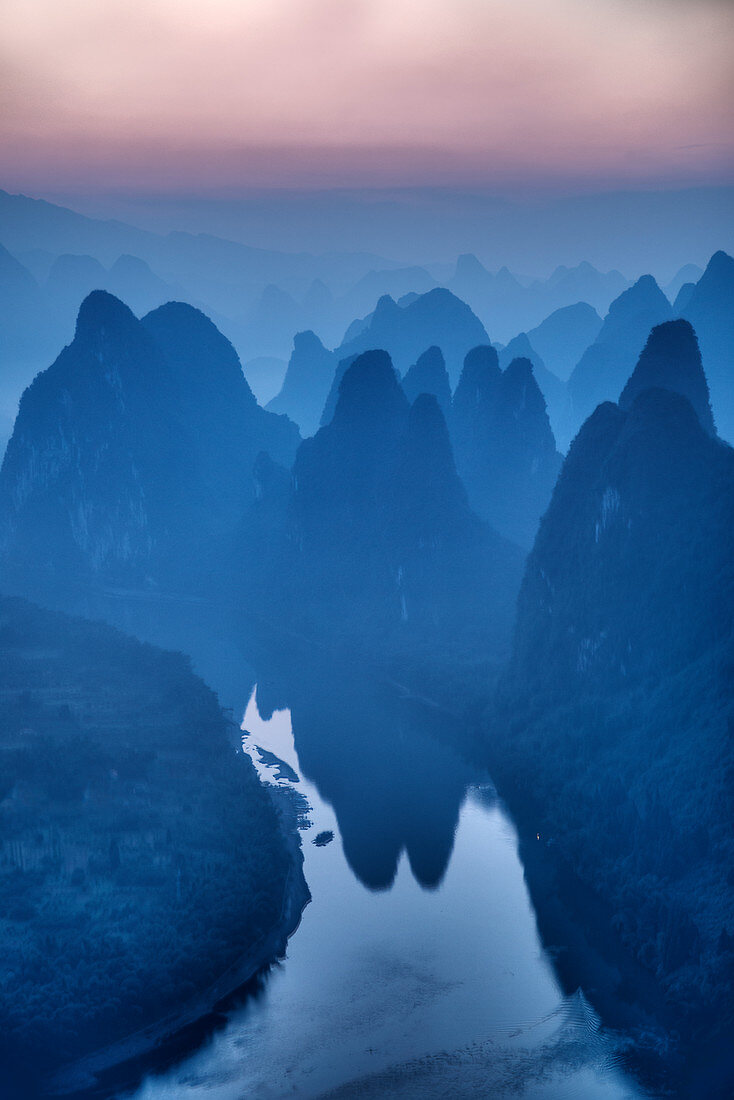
column 289, row 92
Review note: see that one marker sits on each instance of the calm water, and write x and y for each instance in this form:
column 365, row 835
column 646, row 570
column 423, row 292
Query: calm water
column 417, row 970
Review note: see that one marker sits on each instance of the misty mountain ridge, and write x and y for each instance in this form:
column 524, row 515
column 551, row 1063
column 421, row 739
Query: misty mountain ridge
column 307, row 382
column 671, row 360
column 130, row 459
column 504, row 445
column 606, row 365
column 428, row 375
column 710, row 309
column 380, row 532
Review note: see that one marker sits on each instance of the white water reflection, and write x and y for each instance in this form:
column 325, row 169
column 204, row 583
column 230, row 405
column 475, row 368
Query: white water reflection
column 409, row 992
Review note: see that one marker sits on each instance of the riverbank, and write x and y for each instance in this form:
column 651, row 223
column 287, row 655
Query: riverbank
column 121, row 1064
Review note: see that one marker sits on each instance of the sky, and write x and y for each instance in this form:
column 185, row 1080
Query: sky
column 182, row 96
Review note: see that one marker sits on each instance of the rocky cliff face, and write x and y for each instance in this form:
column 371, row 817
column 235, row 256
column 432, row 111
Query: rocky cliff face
column 307, row 382
column 126, row 816
column 428, row 375
column 709, row 306
column 613, row 735
column 671, row 360
column 131, row 457
column 382, row 532
column 437, row 318
column 615, row 582
column 607, row 364
column 504, row 446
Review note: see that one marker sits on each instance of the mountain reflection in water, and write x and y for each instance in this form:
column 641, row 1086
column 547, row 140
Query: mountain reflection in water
column 417, row 970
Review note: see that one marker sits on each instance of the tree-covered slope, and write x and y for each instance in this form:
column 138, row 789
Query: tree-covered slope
column 613, row 735
column 139, row 855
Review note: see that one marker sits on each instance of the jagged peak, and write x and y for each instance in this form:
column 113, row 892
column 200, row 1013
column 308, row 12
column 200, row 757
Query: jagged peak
column 183, row 312
column 671, row 360
column 441, row 298
column 307, row 341
column 481, row 365
column 521, row 345
column 519, row 372
column 643, row 295
column 386, row 307
column 665, row 421
column 721, row 263
column 431, row 358
column 425, row 414
column 595, row 437
column 369, row 387
column 101, row 310
column 193, row 342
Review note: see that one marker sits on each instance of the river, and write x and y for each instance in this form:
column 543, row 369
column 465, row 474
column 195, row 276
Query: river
column 417, row 970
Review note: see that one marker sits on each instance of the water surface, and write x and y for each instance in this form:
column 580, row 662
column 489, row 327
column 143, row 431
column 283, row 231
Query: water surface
column 417, row 970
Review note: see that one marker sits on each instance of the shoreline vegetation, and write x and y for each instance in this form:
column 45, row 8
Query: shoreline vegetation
column 145, row 872
column 126, row 1060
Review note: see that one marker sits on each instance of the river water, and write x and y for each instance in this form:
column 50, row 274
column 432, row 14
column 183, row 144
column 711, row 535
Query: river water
column 417, row 970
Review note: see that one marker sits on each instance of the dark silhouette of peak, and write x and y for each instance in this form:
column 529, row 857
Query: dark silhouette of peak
column 101, row 314
column 196, row 346
column 307, row 382
column 383, row 538
column 504, row 445
column 521, row 400
column 518, row 376
column 333, row 395
column 368, row 391
column 720, row 267
column 606, row 365
column 710, row 309
column 130, row 461
column 642, row 295
column 429, row 447
column 664, row 417
column 429, row 375
column 671, row 360
column 597, row 596
column 551, row 387
column 621, row 684
column 437, row 317
column 213, row 389
column 481, row 371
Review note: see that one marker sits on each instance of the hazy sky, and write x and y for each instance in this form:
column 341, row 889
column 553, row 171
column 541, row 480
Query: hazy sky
column 213, row 95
